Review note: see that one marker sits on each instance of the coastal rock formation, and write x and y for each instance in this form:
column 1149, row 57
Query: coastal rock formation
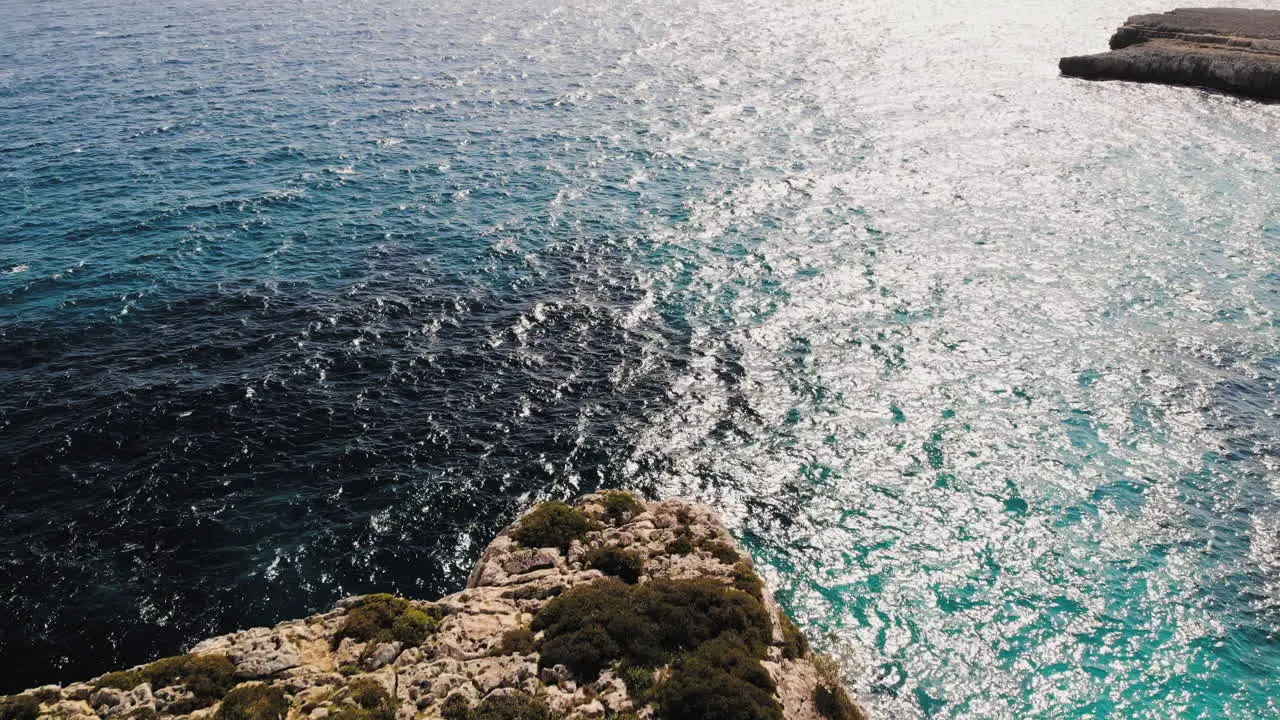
column 1226, row 49
column 609, row 608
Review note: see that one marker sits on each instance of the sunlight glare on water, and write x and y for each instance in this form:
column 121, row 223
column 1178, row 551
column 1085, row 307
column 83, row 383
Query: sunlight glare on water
column 988, row 371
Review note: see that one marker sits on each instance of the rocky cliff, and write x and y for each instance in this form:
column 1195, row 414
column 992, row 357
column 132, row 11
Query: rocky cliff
column 610, row 608
column 1226, row 49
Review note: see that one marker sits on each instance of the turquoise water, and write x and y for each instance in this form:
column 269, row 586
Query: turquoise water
column 980, row 362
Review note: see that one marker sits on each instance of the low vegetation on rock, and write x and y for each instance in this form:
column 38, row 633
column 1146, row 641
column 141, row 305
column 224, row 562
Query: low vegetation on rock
column 620, row 506
column 794, row 644
column 613, row 560
column 682, row 545
column 746, row 580
column 639, row 681
column 697, row 625
column 513, row 706
column 254, row 702
column 121, row 680
column 207, row 677
column 369, row 700
column 19, row 707
column 553, row 524
column 721, row 551
column 515, row 642
column 387, row 618
column 45, row 694
column 721, row 679
column 592, row 626
column 829, row 696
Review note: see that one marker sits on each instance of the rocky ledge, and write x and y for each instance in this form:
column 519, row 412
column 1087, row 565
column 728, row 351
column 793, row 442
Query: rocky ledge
column 1231, row 50
column 612, row 607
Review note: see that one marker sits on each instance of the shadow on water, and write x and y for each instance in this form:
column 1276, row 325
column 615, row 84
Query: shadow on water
column 251, row 455
column 1233, row 501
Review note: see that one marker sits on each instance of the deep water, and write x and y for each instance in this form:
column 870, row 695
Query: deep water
column 305, row 300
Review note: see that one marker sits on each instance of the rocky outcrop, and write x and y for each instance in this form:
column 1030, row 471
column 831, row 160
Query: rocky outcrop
column 610, row 608
column 1230, row 50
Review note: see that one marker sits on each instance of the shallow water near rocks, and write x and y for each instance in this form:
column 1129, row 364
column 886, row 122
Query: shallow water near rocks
column 980, row 362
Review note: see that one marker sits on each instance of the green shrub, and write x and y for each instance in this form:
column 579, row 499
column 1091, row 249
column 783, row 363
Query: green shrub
column 313, row 701
column 690, row 612
column 682, row 545
column 120, row 680
column 455, row 707
column 253, row 702
column 591, row 626
column 19, row 707
column 349, row 669
column 620, row 506
column 386, row 618
column 46, row 694
column 514, row 642
column 830, row 697
column 722, row 551
column 713, row 635
column 351, row 712
column 834, row 704
column 587, row 651
column 553, row 524
column 207, row 677
column 828, row 670
column 581, row 626
column 368, row 693
column 514, row 706
column 613, row 560
column 413, row 627
column 720, row 680
column 684, row 542
column 369, row 700
column 746, row 580
column 794, row 643
column 639, row 681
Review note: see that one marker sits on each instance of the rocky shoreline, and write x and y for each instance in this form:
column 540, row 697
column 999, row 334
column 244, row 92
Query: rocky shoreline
column 1226, row 49
column 612, row 607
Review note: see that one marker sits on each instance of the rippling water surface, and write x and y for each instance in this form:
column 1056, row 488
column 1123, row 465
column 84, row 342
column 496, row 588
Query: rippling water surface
column 305, row 300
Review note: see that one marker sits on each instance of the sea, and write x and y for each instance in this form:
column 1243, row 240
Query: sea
column 305, row 300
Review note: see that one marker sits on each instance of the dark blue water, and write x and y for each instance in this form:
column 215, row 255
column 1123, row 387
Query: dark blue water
column 304, row 301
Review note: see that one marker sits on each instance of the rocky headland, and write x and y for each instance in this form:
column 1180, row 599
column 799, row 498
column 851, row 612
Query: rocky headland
column 1226, row 49
column 612, row 607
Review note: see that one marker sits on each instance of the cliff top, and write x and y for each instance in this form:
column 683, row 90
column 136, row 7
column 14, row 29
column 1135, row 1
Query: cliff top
column 612, row 607
column 1238, row 22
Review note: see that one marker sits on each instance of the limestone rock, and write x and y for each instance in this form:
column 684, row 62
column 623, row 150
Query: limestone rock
column 382, row 655
column 555, row 675
column 1226, row 49
column 523, row 561
column 106, row 698
column 257, row 653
